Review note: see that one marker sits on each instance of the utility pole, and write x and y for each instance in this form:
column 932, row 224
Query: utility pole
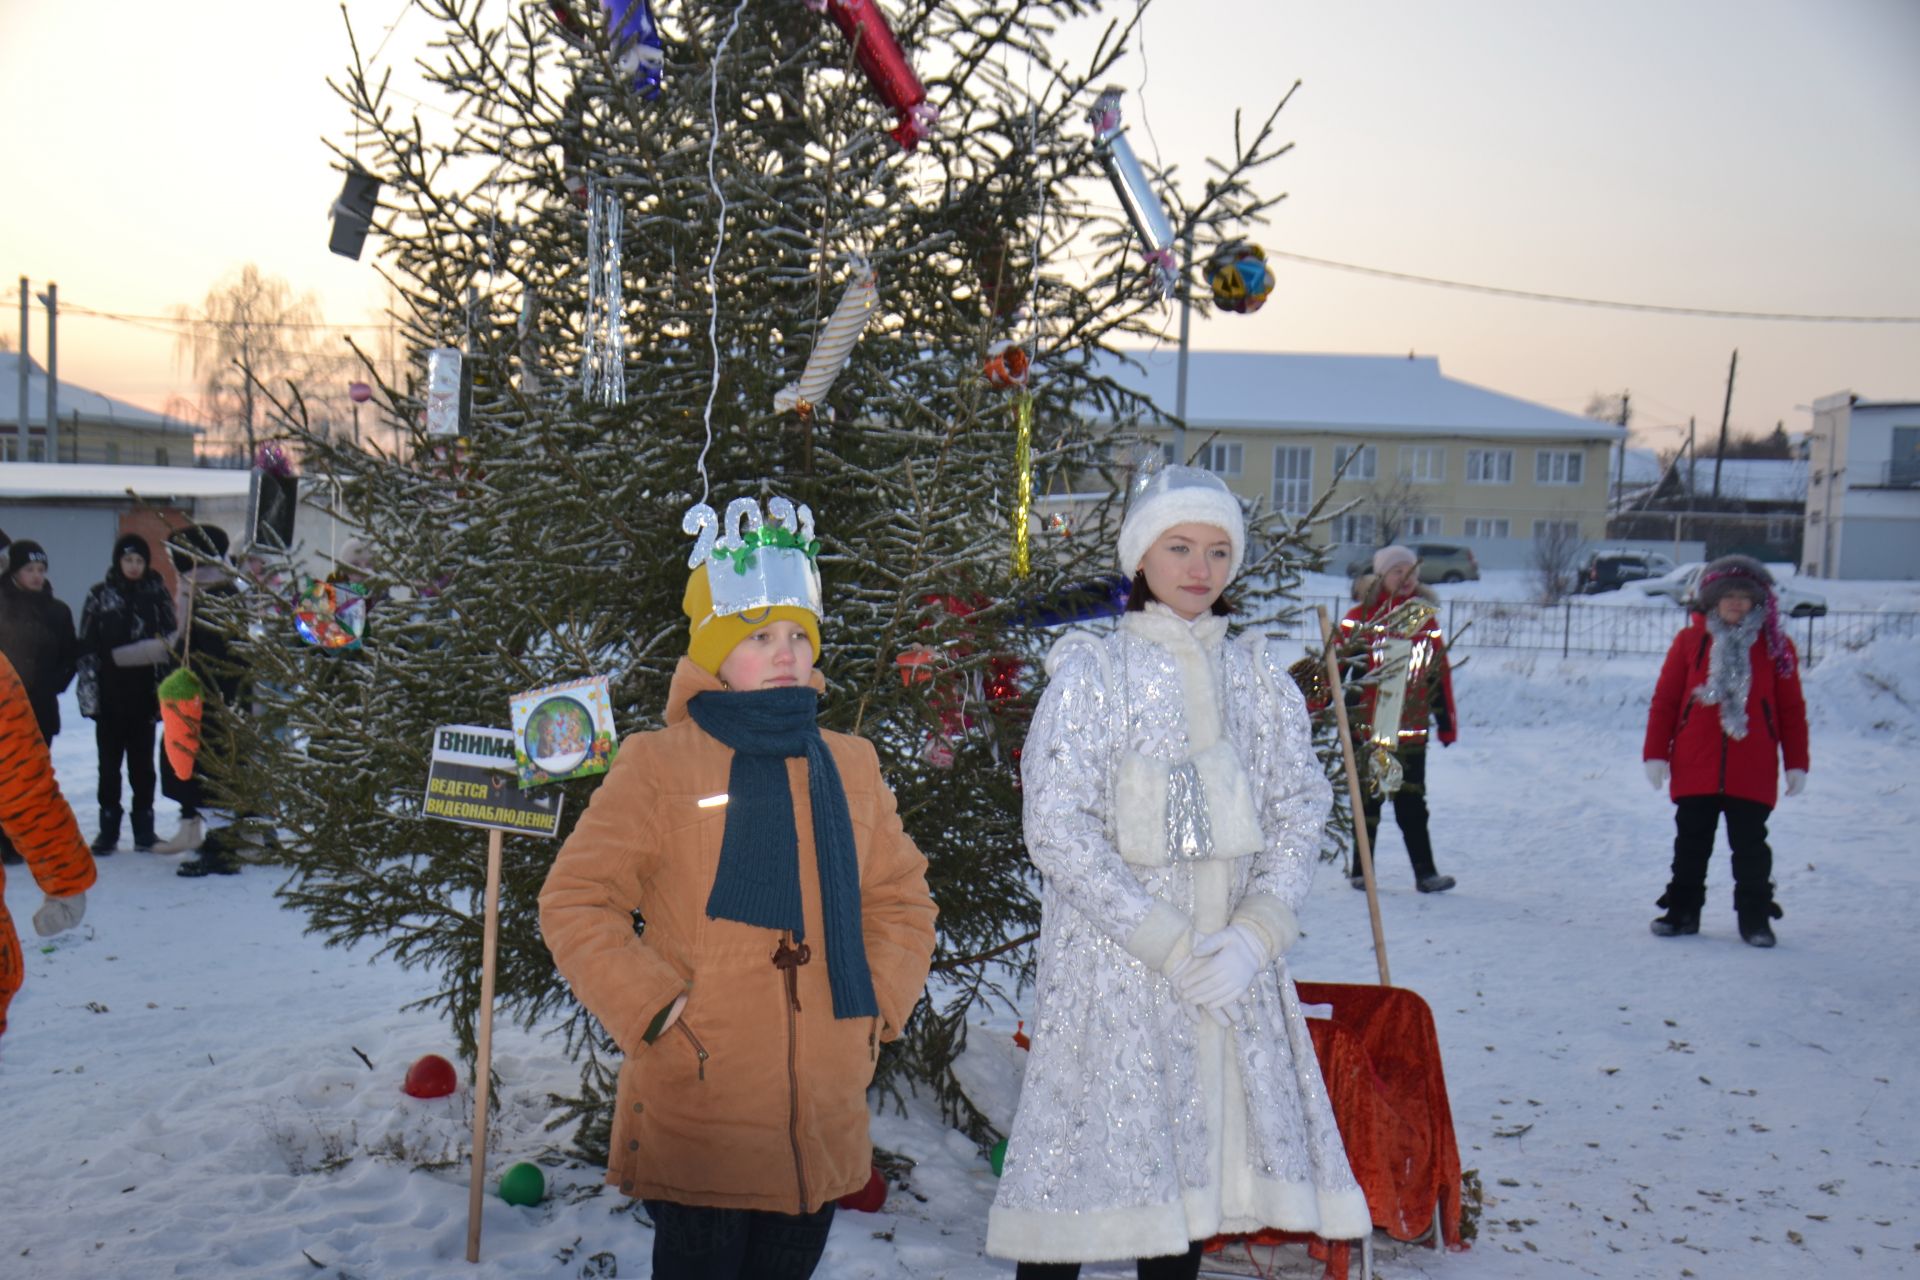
column 1620, row 467
column 51, row 299
column 20, row 419
column 1725, row 409
column 1186, row 316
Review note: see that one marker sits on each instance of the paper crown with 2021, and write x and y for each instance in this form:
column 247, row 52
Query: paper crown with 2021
column 756, row 562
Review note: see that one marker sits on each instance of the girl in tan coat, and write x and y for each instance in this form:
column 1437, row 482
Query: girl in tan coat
column 788, row 928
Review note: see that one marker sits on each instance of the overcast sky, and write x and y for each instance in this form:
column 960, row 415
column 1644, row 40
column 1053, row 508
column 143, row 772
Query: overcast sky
column 1759, row 155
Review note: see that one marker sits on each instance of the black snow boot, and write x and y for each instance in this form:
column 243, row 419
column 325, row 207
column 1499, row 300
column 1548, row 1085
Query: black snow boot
column 1683, row 912
column 216, row 858
column 1756, row 911
column 109, row 838
column 143, row 837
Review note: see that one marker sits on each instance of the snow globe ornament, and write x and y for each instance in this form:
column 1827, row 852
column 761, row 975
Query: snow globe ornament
column 1240, row 278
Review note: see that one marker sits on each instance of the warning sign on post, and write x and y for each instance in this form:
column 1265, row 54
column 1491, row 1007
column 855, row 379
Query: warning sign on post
column 472, row 781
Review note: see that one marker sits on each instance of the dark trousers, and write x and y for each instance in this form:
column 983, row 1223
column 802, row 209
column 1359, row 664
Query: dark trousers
column 1409, row 810
column 1695, row 819
column 694, row 1242
column 1176, row 1266
column 122, row 734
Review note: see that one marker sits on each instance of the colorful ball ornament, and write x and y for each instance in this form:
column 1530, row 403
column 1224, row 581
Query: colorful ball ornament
column 523, row 1184
column 868, row 1199
column 1241, row 278
column 1006, row 366
column 431, row 1077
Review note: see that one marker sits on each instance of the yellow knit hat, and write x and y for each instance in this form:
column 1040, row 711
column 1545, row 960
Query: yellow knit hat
column 712, row 637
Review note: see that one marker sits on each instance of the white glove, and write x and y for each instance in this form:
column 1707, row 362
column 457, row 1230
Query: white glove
column 57, row 915
column 1657, row 771
column 1796, row 781
column 1224, row 963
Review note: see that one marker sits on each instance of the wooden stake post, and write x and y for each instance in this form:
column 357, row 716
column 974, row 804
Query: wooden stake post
column 483, row 1062
column 1360, row 841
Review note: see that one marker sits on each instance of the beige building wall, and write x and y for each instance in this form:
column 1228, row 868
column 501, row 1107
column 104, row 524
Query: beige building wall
column 96, row 440
column 1457, row 487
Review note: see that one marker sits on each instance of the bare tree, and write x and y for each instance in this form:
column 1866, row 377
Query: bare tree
column 252, row 331
column 1390, row 503
column 1556, row 558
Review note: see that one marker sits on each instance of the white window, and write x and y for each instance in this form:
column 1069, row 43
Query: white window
column 1221, row 459
column 1354, row 530
column 1424, row 463
column 1557, row 466
column 1364, row 464
column 36, row 451
column 1543, row 529
column 1292, row 479
column 160, row 455
column 1482, row 527
column 113, row 451
column 1420, row 527
column 1781, row 528
column 1489, row 466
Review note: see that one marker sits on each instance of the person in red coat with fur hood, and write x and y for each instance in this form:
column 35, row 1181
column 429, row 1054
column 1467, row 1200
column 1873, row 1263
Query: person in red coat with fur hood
column 1727, row 712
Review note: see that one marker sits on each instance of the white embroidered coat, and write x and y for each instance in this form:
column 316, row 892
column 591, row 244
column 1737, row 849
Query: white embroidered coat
column 1171, row 788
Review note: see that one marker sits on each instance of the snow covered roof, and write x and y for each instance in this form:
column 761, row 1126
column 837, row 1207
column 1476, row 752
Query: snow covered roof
column 1285, row 392
column 113, row 480
column 90, row 405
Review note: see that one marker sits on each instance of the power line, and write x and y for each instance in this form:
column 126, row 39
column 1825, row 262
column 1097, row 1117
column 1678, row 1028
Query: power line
column 1722, row 313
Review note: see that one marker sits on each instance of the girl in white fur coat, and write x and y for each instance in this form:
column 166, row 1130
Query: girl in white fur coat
column 1174, row 807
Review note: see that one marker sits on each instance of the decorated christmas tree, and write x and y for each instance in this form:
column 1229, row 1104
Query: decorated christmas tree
column 754, row 250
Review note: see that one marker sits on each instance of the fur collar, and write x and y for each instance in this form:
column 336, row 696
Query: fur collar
column 1169, row 630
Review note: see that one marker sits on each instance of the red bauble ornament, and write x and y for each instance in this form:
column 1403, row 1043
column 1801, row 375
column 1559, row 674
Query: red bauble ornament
column 431, row 1077
column 870, row 1198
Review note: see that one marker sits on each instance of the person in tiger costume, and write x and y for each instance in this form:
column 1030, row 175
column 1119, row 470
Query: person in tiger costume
column 40, row 824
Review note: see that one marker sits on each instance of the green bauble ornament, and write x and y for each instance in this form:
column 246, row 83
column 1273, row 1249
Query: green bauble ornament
column 998, row 1156
column 523, row 1183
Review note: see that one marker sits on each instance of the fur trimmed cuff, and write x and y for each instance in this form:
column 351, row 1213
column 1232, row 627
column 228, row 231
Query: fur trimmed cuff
column 1271, row 921
column 1161, row 940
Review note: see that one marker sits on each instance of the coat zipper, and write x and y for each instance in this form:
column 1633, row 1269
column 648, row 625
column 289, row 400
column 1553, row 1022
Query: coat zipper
column 700, row 1050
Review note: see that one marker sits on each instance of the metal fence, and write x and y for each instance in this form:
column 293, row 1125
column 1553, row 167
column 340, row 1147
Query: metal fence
column 1573, row 628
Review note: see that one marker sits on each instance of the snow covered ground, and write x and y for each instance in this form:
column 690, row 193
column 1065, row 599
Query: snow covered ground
column 180, row 1092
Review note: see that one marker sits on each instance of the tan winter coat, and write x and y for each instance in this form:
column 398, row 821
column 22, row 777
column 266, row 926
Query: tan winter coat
column 756, row 1097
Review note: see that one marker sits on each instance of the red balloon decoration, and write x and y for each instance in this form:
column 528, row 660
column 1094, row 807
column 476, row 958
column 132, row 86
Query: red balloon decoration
column 431, row 1077
column 879, row 55
column 868, row 1199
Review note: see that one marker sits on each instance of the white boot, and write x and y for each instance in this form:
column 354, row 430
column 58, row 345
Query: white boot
column 192, row 831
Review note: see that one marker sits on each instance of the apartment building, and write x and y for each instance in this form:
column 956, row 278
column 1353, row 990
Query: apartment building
column 1409, row 452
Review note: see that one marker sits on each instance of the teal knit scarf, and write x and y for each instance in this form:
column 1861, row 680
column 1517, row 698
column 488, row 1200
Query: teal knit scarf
column 758, row 882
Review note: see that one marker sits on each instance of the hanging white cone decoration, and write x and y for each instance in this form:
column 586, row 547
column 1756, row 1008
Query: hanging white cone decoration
column 834, row 346
column 603, row 362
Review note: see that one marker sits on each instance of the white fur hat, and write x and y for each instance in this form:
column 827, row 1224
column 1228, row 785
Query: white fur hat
column 1174, row 495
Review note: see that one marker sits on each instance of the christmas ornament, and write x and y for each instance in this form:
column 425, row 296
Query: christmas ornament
column 523, row 1184
column 272, row 498
column 637, row 36
column 603, row 365
column 1130, row 183
column 353, row 213
column 886, row 67
column 1006, row 365
column 997, row 1158
column 359, row 392
column 1020, row 1036
column 563, row 731
column 1022, row 482
column 180, row 707
column 431, row 1077
column 870, row 1198
column 449, row 392
column 915, row 664
column 331, row 615
column 832, row 348
column 1240, row 278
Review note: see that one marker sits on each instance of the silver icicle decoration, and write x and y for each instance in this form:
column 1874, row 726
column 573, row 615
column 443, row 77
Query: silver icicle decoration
column 603, row 363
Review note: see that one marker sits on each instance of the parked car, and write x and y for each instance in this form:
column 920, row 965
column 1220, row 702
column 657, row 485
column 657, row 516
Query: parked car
column 1439, row 562
column 1610, row 568
column 1678, row 586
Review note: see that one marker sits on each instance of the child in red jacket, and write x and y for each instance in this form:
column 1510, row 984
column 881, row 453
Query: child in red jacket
column 1727, row 711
